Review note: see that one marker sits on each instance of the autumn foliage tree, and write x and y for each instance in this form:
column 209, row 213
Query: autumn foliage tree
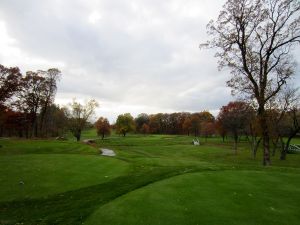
column 195, row 124
column 103, row 127
column 55, row 122
column 30, row 97
column 175, row 123
column 36, row 96
column 199, row 119
column 140, row 120
column 255, row 40
column 235, row 118
column 220, row 129
column 145, row 129
column 10, row 80
column 187, row 126
column 156, row 123
column 52, row 76
column 125, row 124
column 207, row 129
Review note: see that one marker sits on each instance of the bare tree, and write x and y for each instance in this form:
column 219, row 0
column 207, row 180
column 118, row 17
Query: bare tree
column 286, row 122
column 278, row 110
column 255, row 39
column 79, row 115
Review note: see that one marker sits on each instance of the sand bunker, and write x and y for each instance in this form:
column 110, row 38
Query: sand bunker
column 107, row 152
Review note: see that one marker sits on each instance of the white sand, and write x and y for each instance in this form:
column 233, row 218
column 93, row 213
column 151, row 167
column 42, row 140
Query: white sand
column 107, row 152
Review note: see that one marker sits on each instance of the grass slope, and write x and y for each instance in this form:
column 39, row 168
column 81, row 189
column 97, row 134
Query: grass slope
column 222, row 197
column 45, row 175
column 156, row 179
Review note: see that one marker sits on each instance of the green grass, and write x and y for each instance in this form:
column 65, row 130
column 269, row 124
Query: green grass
column 223, row 197
column 51, row 174
column 155, row 179
column 14, row 146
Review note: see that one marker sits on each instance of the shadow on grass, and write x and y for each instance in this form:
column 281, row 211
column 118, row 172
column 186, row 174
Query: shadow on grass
column 75, row 206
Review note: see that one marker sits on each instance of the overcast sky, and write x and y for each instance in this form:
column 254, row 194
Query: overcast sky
column 132, row 56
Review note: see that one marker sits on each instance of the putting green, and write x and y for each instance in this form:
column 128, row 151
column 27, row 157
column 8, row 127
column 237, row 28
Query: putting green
column 39, row 175
column 220, row 197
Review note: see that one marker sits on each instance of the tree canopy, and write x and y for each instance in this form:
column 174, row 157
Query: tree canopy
column 103, row 127
column 125, row 124
column 79, row 114
column 255, row 40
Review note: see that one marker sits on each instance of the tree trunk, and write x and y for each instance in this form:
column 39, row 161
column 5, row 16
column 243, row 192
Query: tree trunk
column 287, row 145
column 34, row 127
column 285, row 149
column 284, row 152
column 78, row 135
column 255, row 146
column 265, row 136
column 235, row 143
column 42, row 121
column 254, row 151
column 27, row 131
column 20, row 133
column 43, row 115
column 275, row 145
column 1, row 131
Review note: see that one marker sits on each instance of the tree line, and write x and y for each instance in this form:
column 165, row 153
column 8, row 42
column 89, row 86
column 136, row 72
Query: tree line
column 254, row 39
column 27, row 110
column 235, row 120
column 181, row 123
column 27, row 106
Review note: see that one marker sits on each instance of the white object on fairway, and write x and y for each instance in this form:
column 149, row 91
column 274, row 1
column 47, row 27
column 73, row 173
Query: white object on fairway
column 107, row 152
column 196, row 142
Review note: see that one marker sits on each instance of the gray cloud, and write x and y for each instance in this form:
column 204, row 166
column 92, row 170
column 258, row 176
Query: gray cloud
column 132, row 56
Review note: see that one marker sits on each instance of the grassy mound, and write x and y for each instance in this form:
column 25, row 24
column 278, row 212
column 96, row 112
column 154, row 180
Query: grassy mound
column 34, row 175
column 219, row 197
